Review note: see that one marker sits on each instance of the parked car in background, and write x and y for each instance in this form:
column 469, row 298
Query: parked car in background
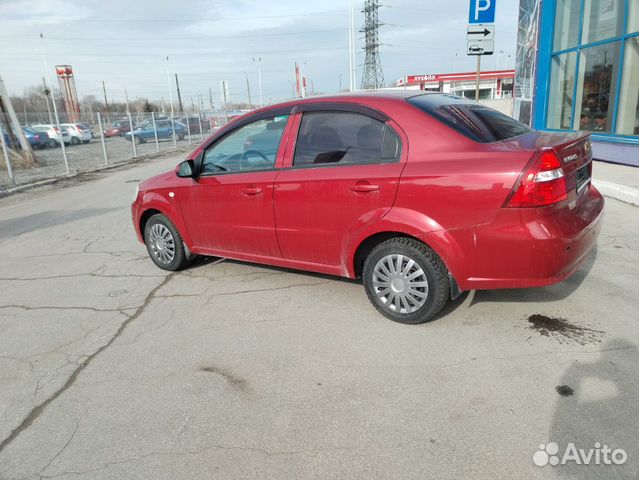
column 117, row 128
column 36, row 139
column 79, row 133
column 422, row 196
column 55, row 138
column 89, row 127
column 195, row 124
column 165, row 130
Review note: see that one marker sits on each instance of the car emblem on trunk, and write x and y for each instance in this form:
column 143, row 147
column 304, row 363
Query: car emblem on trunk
column 570, row 158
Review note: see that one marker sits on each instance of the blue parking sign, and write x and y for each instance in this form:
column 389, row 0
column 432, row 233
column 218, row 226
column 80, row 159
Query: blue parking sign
column 482, row 11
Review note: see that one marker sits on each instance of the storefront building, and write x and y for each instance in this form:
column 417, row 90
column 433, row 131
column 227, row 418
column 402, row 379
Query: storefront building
column 578, row 70
column 495, row 84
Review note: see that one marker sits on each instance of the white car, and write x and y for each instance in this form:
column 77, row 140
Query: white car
column 54, row 134
column 79, row 133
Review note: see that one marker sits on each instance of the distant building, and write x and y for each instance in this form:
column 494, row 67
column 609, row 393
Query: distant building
column 492, row 84
column 577, row 68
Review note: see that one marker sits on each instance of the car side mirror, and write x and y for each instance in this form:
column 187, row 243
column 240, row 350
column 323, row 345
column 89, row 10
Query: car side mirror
column 186, row 169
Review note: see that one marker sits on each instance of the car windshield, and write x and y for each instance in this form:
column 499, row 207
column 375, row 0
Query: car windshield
column 473, row 120
column 29, row 130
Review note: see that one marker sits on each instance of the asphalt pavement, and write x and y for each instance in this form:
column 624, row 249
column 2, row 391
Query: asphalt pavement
column 113, row 369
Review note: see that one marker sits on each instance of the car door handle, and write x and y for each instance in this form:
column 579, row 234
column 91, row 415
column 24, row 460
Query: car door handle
column 251, row 191
column 364, row 187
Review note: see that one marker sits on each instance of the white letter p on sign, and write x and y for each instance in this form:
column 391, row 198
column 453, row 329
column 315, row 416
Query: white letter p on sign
column 481, row 6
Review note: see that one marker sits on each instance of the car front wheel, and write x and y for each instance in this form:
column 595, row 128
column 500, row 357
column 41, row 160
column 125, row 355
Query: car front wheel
column 406, row 281
column 75, row 141
column 164, row 243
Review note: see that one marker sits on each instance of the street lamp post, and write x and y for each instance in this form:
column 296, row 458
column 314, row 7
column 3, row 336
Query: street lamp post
column 168, row 79
column 258, row 60
column 248, row 91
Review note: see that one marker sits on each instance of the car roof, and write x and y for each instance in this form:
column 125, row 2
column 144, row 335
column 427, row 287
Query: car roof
column 363, row 95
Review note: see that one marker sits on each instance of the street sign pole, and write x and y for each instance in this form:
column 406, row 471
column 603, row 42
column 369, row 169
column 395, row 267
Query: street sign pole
column 477, row 79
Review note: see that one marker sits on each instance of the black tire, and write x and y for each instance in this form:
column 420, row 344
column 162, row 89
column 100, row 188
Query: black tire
column 181, row 256
column 52, row 143
column 75, row 141
column 86, row 141
column 181, row 137
column 433, row 268
column 137, row 140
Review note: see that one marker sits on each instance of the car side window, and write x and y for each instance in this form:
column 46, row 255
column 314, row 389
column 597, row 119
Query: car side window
column 250, row 147
column 344, row 138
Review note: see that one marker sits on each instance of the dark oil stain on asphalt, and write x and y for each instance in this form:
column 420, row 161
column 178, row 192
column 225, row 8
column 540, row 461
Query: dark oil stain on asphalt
column 135, row 180
column 235, row 382
column 564, row 390
column 562, row 330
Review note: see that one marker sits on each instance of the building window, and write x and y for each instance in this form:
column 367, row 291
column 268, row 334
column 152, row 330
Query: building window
column 628, row 114
column 566, row 24
column 596, row 90
column 602, row 19
column 562, row 86
column 594, row 67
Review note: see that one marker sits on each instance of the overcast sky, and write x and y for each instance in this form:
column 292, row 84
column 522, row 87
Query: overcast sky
column 125, row 43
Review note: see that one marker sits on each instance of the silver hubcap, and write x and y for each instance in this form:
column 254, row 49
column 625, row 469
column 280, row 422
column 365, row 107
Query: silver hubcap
column 162, row 243
column 400, row 284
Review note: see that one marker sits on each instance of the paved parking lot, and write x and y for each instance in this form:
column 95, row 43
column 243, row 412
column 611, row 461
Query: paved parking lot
column 110, row 368
column 86, row 157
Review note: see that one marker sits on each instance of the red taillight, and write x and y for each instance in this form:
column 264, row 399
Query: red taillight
column 79, row 127
column 542, row 183
column 56, row 129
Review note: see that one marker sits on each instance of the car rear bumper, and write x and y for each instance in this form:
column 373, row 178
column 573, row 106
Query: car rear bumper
column 528, row 247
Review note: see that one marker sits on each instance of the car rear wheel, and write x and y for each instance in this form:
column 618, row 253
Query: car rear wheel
column 164, row 243
column 406, row 281
column 75, row 140
column 137, row 140
column 52, row 143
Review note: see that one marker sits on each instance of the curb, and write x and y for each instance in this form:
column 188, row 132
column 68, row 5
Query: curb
column 618, row 192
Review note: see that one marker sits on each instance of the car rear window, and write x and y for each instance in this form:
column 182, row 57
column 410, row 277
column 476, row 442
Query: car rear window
column 475, row 121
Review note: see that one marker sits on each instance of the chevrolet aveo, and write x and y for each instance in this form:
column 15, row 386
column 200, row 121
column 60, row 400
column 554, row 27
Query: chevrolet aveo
column 421, row 196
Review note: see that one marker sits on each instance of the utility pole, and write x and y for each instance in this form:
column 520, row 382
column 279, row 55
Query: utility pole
column 211, row 98
column 258, row 60
column 126, row 99
column 177, row 84
column 248, row 91
column 106, row 103
column 477, row 79
column 47, row 92
column 373, row 77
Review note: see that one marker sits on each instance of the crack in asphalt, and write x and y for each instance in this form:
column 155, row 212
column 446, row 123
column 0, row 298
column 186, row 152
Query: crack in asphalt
column 240, row 292
column 64, row 447
column 39, row 409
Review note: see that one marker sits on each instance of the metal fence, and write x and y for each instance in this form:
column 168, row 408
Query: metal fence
column 118, row 139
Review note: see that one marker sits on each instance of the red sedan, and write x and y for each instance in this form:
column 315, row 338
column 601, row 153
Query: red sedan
column 117, row 128
column 422, row 196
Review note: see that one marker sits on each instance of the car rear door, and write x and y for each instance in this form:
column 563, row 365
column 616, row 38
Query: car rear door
column 230, row 206
column 343, row 172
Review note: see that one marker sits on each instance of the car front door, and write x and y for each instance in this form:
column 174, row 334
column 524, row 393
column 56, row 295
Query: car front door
column 232, row 200
column 343, row 176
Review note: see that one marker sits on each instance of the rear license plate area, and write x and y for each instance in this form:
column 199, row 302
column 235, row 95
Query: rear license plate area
column 582, row 176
